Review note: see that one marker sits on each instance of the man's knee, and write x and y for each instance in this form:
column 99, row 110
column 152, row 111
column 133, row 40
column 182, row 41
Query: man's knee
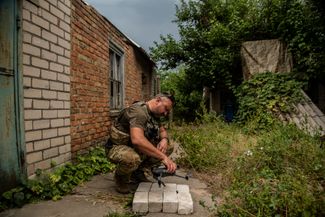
column 125, row 157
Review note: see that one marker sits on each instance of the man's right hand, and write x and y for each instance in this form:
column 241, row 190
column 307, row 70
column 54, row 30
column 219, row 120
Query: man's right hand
column 170, row 165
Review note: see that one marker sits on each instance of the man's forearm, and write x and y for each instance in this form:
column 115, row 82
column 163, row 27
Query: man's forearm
column 144, row 145
column 163, row 133
column 149, row 149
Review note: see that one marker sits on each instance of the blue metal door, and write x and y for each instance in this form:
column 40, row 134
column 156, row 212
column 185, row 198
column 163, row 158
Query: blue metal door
column 10, row 162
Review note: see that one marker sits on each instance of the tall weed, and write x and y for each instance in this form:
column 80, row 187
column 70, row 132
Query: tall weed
column 283, row 175
column 274, row 172
column 207, row 146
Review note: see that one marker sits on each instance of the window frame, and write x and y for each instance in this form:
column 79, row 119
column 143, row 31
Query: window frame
column 116, row 82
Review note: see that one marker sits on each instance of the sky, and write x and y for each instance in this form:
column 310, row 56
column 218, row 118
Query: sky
column 141, row 20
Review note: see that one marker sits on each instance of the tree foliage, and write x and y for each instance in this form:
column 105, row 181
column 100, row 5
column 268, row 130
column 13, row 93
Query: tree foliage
column 267, row 94
column 175, row 82
column 212, row 31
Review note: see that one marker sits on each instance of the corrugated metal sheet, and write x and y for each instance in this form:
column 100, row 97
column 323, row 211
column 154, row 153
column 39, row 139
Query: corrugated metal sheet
column 307, row 116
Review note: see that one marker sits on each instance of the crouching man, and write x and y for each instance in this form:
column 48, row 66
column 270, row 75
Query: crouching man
column 138, row 141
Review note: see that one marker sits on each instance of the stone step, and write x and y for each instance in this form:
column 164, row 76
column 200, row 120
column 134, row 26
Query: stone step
column 140, row 202
column 172, row 198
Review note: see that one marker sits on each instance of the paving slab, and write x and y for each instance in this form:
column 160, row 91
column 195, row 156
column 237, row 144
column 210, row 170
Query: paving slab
column 199, row 192
column 98, row 198
column 182, row 188
column 144, row 186
column 140, row 202
column 174, row 198
column 155, row 187
column 169, row 187
column 185, row 203
column 170, row 202
column 155, row 201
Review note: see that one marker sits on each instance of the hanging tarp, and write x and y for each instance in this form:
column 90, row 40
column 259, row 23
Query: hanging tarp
column 265, row 55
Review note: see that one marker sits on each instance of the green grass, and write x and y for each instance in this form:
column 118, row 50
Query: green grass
column 278, row 172
column 127, row 214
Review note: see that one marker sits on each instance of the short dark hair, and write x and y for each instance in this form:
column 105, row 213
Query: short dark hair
column 167, row 95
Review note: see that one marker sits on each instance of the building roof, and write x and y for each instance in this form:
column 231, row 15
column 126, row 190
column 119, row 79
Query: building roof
column 126, row 38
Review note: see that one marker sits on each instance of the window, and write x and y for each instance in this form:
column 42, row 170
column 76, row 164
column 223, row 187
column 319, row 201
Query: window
column 116, row 78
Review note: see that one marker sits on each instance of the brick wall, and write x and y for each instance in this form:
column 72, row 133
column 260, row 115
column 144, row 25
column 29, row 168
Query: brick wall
column 67, row 112
column 89, row 78
column 92, row 35
column 147, row 75
column 133, row 77
column 46, row 72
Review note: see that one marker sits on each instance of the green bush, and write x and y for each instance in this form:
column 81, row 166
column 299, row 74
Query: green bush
column 60, row 182
column 283, row 175
column 265, row 95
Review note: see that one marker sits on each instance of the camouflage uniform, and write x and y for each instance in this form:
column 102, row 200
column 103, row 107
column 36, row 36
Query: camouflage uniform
column 127, row 158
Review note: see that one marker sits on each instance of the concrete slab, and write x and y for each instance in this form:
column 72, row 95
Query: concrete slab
column 170, row 202
column 199, row 192
column 182, row 188
column 140, row 202
column 155, row 187
column 185, row 203
column 98, row 198
column 169, row 187
column 155, row 201
column 144, row 186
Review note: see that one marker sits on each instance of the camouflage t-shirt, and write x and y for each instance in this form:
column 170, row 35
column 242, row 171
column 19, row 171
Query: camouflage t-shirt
column 139, row 115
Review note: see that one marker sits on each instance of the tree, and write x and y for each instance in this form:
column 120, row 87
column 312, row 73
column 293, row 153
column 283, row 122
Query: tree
column 175, row 82
column 212, row 31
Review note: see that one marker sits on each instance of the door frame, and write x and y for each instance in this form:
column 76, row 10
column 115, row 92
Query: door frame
column 19, row 93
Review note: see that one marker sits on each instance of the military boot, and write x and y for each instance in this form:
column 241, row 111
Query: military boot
column 138, row 176
column 123, row 185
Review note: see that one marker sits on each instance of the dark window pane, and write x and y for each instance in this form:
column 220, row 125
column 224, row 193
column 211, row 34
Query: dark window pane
column 111, row 62
column 116, row 91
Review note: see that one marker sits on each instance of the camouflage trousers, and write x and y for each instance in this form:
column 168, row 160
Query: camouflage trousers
column 128, row 159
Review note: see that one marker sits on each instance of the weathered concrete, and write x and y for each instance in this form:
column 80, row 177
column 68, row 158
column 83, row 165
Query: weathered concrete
column 155, row 187
column 169, row 187
column 155, row 201
column 95, row 198
column 144, row 186
column 185, row 203
column 171, row 198
column 140, row 202
column 183, row 188
column 98, row 198
column 170, row 202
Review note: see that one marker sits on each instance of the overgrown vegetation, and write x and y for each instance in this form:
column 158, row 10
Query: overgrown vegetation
column 54, row 185
column 207, row 145
column 212, row 31
column 256, row 166
column 266, row 95
column 275, row 172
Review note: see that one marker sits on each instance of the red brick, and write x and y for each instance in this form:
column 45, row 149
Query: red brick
column 89, row 71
